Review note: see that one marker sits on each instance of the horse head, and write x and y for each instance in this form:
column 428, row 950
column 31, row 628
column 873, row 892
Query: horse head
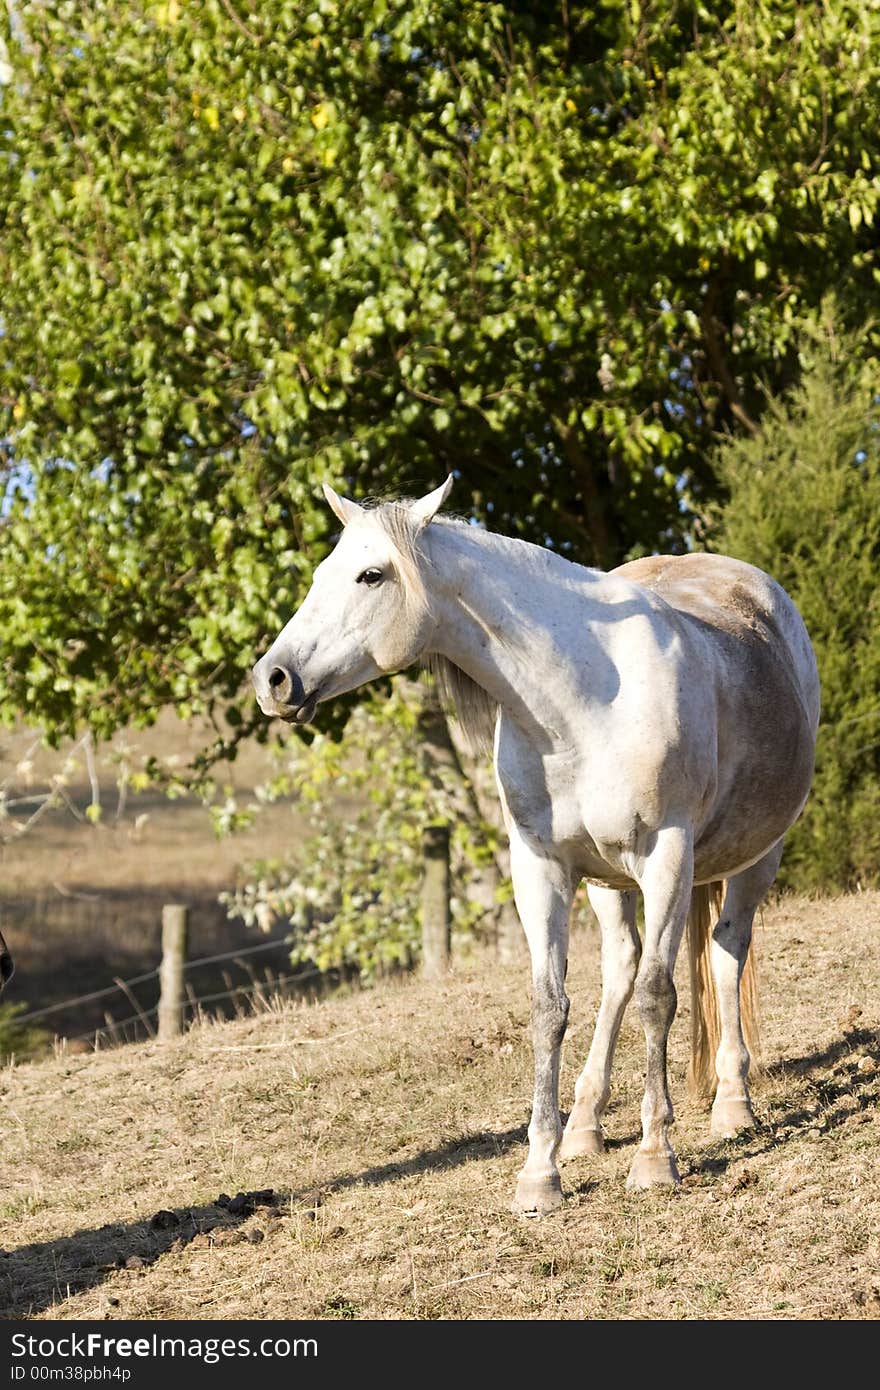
column 365, row 615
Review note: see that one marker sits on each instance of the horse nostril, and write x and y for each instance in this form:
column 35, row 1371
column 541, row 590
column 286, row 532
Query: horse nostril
column 280, row 683
column 6, row 968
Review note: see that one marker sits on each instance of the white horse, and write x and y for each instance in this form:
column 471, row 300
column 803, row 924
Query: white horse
column 654, row 730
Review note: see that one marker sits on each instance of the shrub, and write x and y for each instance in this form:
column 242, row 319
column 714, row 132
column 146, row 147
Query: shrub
column 804, row 504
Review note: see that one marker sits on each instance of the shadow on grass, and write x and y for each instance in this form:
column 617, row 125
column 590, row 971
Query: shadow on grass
column 450, row 1155
column 864, row 1038
column 829, row 1088
column 39, row 1276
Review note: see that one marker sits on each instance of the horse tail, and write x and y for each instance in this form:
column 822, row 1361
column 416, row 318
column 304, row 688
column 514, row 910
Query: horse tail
column 705, row 910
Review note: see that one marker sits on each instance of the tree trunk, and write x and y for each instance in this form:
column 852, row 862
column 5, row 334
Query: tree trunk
column 435, row 902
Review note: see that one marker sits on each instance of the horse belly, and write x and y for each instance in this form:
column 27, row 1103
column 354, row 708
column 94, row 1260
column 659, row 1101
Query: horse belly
column 762, row 787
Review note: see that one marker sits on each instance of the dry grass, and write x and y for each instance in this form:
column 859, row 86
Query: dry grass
column 390, row 1124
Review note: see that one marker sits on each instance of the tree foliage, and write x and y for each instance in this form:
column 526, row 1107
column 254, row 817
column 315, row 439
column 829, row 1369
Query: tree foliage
column 805, row 505
column 249, row 246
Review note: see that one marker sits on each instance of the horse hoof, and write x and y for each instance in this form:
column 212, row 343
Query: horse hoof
column 537, row 1194
column 577, row 1142
column 730, row 1117
column 652, row 1170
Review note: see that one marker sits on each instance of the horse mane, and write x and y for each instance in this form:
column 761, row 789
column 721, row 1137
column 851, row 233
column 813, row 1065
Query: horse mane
column 474, row 708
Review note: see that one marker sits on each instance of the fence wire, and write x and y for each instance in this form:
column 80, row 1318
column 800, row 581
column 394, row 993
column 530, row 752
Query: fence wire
column 261, row 986
column 151, row 975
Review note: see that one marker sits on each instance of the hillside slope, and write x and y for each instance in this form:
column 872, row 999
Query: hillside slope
column 389, row 1126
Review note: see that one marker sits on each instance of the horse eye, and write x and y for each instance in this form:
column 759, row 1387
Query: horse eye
column 370, row 577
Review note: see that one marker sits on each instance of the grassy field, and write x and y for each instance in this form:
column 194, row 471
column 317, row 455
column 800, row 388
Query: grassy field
column 369, row 1144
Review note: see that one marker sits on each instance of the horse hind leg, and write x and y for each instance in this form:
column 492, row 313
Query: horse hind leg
column 731, row 938
column 621, row 949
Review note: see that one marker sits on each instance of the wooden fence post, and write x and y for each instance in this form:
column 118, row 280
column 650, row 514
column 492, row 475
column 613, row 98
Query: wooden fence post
column 171, row 983
column 436, row 928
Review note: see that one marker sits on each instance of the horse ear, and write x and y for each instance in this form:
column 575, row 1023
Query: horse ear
column 341, row 506
column 427, row 508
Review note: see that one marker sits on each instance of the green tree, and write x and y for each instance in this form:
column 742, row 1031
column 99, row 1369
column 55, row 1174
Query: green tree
column 249, row 246
column 804, row 504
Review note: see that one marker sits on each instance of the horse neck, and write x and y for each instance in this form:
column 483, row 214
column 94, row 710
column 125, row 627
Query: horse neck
column 518, row 620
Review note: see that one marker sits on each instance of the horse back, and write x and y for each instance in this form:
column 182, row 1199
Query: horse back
column 738, row 600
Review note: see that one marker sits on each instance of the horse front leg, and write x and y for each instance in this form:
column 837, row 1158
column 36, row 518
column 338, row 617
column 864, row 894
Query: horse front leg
column 621, row 948
column 543, row 893
column 666, row 883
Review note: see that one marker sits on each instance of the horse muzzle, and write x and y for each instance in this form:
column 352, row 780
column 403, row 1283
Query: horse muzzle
column 280, row 693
